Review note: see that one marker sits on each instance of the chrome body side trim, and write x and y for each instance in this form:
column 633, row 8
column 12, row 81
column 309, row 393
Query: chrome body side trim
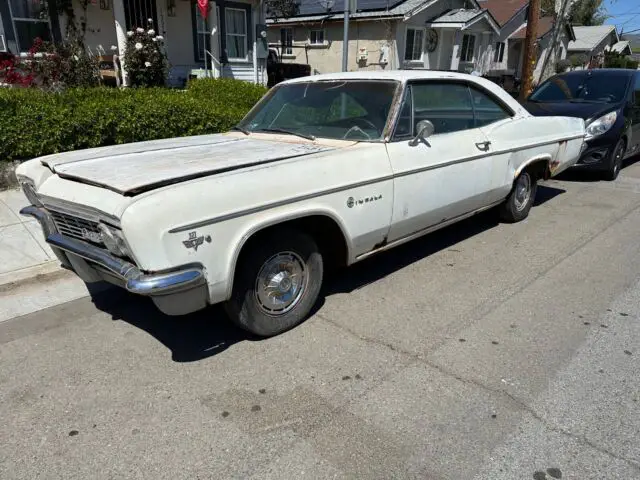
column 330, row 191
column 176, row 280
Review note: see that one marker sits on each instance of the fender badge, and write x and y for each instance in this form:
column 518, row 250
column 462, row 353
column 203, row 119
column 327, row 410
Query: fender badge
column 195, row 241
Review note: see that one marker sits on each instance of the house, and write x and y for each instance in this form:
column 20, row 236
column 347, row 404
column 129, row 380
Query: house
column 623, row 47
column 513, row 17
column 228, row 39
column 592, row 43
column 388, row 34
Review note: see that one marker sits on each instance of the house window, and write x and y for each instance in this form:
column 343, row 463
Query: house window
column 316, row 37
column 499, row 53
column 31, row 21
column 468, row 46
column 236, row 24
column 413, row 45
column 286, row 40
column 202, row 35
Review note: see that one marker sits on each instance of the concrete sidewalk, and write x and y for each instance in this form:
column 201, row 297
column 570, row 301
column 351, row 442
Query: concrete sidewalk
column 22, row 245
column 31, row 278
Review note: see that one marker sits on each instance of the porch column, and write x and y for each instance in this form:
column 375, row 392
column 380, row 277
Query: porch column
column 121, row 35
column 214, row 44
column 455, row 55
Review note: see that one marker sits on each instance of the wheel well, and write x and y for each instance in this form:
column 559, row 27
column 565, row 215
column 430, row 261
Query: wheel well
column 539, row 169
column 323, row 229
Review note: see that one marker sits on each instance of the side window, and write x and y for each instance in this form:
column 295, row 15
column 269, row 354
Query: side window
column 637, row 89
column 486, row 110
column 446, row 105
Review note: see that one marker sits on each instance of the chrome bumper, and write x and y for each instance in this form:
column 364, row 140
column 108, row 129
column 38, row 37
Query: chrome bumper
column 178, row 280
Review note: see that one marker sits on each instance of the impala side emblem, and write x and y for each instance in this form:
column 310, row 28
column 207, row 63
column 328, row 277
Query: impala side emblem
column 351, row 202
column 194, row 241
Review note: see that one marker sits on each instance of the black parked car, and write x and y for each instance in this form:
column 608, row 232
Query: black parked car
column 609, row 102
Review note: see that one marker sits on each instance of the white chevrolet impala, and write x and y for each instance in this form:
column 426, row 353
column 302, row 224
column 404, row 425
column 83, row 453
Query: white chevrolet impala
column 323, row 171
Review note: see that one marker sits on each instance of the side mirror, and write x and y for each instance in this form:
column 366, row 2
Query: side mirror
column 425, row 130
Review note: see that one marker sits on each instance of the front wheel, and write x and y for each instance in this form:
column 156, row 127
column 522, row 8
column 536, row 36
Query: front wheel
column 277, row 283
column 517, row 205
column 616, row 161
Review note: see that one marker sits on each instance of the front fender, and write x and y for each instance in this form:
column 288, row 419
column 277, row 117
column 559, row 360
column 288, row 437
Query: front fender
column 271, row 219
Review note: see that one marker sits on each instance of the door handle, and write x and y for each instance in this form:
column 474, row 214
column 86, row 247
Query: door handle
column 484, row 146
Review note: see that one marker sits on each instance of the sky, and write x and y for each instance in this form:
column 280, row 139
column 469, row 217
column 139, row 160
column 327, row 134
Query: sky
column 625, row 14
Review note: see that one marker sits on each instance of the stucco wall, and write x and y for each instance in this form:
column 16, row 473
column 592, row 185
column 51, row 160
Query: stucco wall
column 101, row 33
column 374, row 36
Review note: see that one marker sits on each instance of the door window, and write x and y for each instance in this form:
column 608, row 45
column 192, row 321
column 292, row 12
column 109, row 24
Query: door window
column 638, row 90
column 446, row 105
column 485, row 109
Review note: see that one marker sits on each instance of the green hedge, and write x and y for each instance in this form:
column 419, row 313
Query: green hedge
column 35, row 123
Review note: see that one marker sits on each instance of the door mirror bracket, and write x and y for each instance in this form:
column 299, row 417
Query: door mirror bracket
column 425, row 129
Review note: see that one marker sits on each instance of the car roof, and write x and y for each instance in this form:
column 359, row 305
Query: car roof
column 600, row 72
column 397, row 75
column 404, row 76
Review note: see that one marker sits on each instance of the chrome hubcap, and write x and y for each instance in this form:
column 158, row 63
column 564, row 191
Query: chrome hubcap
column 523, row 191
column 280, row 283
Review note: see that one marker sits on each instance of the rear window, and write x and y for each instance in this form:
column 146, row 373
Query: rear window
column 590, row 87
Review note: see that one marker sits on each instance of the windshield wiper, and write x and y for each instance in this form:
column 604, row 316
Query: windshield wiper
column 289, row 132
column 240, row 129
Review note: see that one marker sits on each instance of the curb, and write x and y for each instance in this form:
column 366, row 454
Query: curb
column 45, row 272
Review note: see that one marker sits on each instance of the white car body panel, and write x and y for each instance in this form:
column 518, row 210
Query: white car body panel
column 378, row 193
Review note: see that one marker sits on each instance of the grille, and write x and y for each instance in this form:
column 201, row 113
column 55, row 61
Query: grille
column 77, row 227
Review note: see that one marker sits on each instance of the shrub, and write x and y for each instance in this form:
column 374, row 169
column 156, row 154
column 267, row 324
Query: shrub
column 144, row 58
column 35, row 123
column 52, row 66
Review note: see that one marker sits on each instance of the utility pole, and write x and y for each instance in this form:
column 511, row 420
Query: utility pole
column 530, row 48
column 345, row 38
column 557, row 28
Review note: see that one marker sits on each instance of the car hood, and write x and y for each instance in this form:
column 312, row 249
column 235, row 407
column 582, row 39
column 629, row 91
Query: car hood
column 134, row 168
column 586, row 111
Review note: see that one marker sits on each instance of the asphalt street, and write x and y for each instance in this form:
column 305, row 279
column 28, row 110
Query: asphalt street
column 484, row 351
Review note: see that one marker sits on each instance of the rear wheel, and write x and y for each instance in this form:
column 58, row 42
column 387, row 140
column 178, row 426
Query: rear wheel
column 278, row 281
column 616, row 161
column 517, row 205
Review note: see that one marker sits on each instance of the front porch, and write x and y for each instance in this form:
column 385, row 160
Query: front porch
column 223, row 45
column 458, row 40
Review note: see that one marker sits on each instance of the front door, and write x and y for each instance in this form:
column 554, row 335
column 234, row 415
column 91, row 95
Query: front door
column 445, row 176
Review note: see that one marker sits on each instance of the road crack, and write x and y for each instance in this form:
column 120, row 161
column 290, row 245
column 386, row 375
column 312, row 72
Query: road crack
column 523, row 406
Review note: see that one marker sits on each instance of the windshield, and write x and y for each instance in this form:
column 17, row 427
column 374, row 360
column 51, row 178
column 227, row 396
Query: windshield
column 609, row 88
column 354, row 109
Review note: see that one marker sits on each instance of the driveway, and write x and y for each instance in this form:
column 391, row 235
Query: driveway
column 484, row 351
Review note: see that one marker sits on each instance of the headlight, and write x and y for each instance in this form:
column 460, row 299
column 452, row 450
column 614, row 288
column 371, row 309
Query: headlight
column 601, row 125
column 114, row 240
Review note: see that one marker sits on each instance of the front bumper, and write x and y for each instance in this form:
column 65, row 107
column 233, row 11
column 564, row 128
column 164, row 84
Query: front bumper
column 597, row 153
column 175, row 292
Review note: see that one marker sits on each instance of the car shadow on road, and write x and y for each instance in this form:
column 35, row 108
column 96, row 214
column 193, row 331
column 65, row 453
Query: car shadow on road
column 209, row 332
column 586, row 175
column 189, row 338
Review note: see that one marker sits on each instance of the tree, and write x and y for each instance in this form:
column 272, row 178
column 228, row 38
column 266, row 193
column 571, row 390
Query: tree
column 282, row 8
column 588, row 12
